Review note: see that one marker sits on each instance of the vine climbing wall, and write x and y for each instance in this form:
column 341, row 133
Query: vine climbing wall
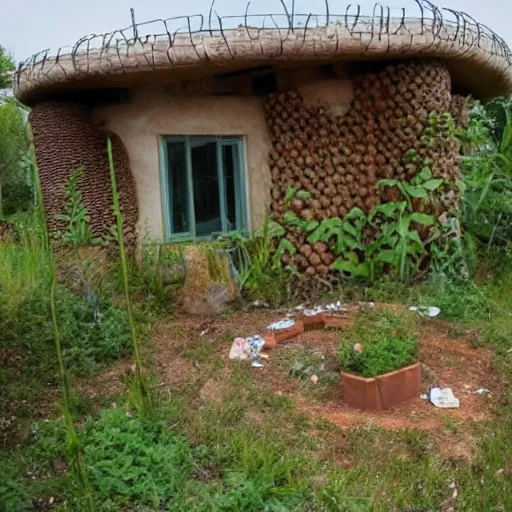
column 65, row 140
column 338, row 160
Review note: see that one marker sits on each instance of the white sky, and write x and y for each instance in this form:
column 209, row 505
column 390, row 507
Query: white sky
column 28, row 26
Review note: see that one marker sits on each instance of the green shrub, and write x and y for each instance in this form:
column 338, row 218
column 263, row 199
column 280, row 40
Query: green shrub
column 23, row 263
column 15, row 162
column 93, row 334
column 131, row 460
column 487, row 167
column 386, row 341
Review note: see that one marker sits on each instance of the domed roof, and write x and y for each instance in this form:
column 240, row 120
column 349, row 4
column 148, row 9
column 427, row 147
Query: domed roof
column 191, row 47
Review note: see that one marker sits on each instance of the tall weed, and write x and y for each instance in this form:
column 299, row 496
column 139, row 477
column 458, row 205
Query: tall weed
column 140, row 385
column 73, row 444
column 23, row 264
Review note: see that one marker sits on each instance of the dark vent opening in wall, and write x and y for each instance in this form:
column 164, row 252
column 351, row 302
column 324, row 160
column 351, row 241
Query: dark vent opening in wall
column 264, row 82
column 328, row 70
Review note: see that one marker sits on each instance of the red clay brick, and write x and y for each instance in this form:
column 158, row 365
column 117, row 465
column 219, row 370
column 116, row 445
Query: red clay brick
column 384, row 391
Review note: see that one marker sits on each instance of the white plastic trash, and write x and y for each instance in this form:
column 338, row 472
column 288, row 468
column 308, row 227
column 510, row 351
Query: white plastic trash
column 429, row 312
column 281, row 325
column 443, row 398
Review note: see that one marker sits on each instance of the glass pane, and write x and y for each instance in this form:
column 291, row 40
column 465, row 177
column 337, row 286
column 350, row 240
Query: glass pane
column 206, row 185
column 178, row 190
column 230, row 161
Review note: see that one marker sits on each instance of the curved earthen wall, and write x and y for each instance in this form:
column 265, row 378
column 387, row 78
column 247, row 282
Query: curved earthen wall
column 339, row 159
column 65, row 140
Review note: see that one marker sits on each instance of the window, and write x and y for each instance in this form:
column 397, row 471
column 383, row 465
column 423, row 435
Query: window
column 203, row 186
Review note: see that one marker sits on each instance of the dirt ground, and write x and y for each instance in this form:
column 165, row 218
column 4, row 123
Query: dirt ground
column 182, row 345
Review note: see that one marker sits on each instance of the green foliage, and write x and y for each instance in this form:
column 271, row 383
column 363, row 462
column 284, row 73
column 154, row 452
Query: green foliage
column 399, row 244
column 130, row 460
column 15, row 163
column 421, row 186
column 93, row 335
column 345, row 233
column 290, row 218
column 6, row 67
column 487, row 167
column 77, row 232
column 257, row 261
column 23, row 263
column 387, row 345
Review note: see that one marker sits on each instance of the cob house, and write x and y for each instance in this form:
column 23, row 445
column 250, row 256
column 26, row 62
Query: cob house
column 214, row 118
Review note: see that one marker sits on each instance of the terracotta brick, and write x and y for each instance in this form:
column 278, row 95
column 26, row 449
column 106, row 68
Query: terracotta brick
column 337, row 322
column 384, row 391
column 287, row 334
column 270, row 341
column 314, row 321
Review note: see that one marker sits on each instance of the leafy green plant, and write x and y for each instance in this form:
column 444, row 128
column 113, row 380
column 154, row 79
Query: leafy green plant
column 131, row 460
column 421, row 185
column 77, row 232
column 88, row 342
column 377, row 343
column 399, row 244
column 487, row 166
column 257, row 261
column 345, row 234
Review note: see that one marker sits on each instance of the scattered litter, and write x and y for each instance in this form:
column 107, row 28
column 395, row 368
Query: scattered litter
column 481, row 391
column 424, row 396
column 319, row 308
column 455, row 491
column 240, row 349
column 247, row 348
column 334, row 306
column 256, row 343
column 429, row 312
column 281, row 325
column 264, row 356
column 313, row 312
column 314, row 379
column 260, row 304
column 443, row 398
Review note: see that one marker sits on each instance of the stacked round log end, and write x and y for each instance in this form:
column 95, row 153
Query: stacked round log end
column 65, row 140
column 340, row 159
column 459, row 108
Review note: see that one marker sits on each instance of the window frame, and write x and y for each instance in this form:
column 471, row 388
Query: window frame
column 241, row 191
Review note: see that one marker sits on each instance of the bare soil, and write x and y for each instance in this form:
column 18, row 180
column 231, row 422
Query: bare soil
column 446, row 361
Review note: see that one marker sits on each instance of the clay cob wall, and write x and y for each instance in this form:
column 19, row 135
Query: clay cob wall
column 65, row 140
